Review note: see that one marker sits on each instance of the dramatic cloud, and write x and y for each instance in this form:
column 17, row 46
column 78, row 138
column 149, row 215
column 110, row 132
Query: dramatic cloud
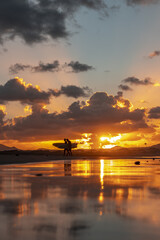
column 125, row 87
column 16, row 68
column 17, row 90
column 2, row 115
column 72, row 91
column 136, row 81
column 141, row 2
column 79, row 67
column 42, row 67
column 72, row 5
column 50, row 67
column 36, row 21
column 119, row 94
column 101, row 113
column 154, row 54
column 154, row 113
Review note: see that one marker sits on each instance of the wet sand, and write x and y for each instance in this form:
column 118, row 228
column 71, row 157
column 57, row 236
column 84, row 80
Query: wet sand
column 20, row 158
column 81, row 199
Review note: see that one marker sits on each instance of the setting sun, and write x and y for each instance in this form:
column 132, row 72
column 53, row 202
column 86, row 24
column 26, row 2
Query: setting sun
column 109, row 142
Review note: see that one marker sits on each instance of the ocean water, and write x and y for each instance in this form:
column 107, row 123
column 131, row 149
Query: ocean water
column 81, row 199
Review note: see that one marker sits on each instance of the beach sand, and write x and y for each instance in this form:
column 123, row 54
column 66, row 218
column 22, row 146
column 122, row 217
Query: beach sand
column 23, row 157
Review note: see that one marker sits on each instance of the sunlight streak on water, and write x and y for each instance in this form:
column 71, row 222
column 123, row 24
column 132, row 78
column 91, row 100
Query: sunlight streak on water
column 82, row 199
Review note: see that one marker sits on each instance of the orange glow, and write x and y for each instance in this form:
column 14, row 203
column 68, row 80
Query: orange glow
column 83, row 169
column 100, row 213
column 3, row 108
column 105, row 142
column 111, row 139
column 130, row 191
column 23, row 210
column 119, row 194
column 84, row 142
column 2, row 195
column 108, row 146
column 28, row 109
column 101, row 197
column 157, row 84
column 38, row 88
column 126, row 122
column 44, row 107
column 36, row 208
column 102, row 173
column 120, row 104
column 22, row 82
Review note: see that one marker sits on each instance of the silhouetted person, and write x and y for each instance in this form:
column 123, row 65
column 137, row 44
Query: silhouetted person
column 66, row 147
column 67, row 168
column 69, row 147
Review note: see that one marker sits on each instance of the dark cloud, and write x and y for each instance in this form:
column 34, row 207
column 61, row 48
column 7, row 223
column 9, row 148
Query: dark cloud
column 72, row 5
column 141, row 2
column 154, row 54
column 2, row 115
column 119, row 94
column 154, row 112
column 50, row 67
column 16, row 68
column 101, row 113
column 41, row 67
column 17, row 90
column 125, row 87
column 136, row 81
column 78, row 67
column 46, row 67
column 72, row 91
column 36, row 21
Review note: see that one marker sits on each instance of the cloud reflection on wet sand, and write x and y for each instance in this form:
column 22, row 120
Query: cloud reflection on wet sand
column 80, row 198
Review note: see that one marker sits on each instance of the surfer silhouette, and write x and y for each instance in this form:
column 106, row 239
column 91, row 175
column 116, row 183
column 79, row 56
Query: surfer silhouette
column 69, row 147
column 66, row 147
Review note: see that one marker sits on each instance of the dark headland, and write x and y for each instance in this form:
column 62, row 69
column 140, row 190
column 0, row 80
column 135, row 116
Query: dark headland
column 15, row 156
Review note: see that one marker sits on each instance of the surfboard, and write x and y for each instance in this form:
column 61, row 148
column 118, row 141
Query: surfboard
column 64, row 145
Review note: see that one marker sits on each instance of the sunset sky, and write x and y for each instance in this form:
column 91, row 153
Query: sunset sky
column 87, row 70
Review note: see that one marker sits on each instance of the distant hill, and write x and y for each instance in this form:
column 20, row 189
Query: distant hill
column 43, row 149
column 6, row 148
column 156, row 146
column 118, row 148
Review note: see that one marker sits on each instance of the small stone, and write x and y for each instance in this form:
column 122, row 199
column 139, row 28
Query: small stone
column 137, row 162
column 39, row 174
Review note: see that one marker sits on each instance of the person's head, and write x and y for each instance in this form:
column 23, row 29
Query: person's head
column 65, row 139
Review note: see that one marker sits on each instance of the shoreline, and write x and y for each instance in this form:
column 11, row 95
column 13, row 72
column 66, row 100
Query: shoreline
column 7, row 159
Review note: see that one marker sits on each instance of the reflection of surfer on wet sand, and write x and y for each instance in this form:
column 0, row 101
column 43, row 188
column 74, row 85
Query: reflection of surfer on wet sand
column 67, row 168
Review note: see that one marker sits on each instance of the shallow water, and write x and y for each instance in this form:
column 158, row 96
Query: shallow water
column 81, row 199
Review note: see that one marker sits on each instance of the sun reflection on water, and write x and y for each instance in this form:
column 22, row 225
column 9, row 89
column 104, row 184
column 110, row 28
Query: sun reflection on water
column 102, row 173
column 63, row 191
